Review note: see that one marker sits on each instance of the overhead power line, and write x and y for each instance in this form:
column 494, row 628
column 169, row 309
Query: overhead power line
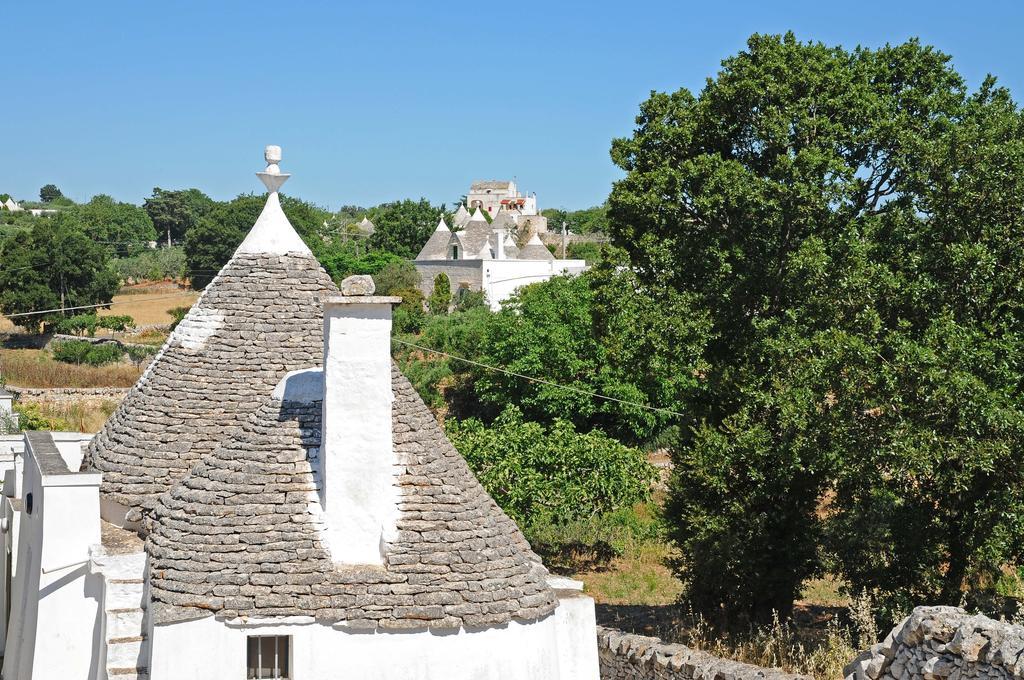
column 542, row 381
column 109, row 304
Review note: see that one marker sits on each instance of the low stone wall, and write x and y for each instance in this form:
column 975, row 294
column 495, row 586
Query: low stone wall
column 940, row 643
column 67, row 393
column 624, row 656
column 101, row 340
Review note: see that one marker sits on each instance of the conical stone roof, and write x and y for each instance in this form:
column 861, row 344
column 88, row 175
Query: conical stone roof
column 475, row 238
column 259, row 318
column 535, row 250
column 436, row 247
column 460, row 217
column 241, row 534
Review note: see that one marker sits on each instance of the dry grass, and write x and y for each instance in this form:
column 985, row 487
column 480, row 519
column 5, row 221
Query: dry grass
column 148, row 304
column 825, row 592
column 150, row 336
column 35, row 368
column 84, row 415
column 637, row 577
column 151, row 307
column 821, row 653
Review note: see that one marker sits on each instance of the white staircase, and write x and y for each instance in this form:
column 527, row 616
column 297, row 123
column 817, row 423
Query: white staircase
column 125, row 611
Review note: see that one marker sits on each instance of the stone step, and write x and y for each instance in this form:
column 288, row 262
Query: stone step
column 126, row 652
column 124, row 594
column 125, row 622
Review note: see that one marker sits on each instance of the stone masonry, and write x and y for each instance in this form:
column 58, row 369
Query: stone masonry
column 624, row 656
column 944, row 643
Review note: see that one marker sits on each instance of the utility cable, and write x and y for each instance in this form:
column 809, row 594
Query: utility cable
column 542, row 381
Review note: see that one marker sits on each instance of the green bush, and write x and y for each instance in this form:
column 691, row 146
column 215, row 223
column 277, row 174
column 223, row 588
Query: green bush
column 30, row 417
column 139, row 353
column 593, row 542
column 82, row 352
column 591, row 252
column 396, row 275
column 409, row 315
column 553, row 474
column 80, row 324
column 467, row 299
column 441, row 297
column 152, row 265
column 116, row 322
column 177, row 313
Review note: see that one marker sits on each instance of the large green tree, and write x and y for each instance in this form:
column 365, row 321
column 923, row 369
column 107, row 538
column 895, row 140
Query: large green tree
column 123, row 228
column 598, row 333
column 54, row 266
column 402, row 227
column 853, row 224
column 49, row 192
column 175, row 212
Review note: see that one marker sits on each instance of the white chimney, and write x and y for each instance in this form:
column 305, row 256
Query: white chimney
column 358, row 461
column 500, row 250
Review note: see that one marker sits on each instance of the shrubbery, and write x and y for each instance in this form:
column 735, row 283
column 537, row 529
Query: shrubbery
column 82, row 352
column 541, row 475
column 86, row 324
column 152, row 265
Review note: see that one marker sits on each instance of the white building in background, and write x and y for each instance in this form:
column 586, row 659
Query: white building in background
column 482, row 256
column 272, row 499
column 502, row 196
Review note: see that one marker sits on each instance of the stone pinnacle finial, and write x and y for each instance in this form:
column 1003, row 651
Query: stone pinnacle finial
column 272, row 177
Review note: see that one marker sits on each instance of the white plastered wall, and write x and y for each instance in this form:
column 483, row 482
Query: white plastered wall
column 55, row 613
column 501, row 278
column 518, row 651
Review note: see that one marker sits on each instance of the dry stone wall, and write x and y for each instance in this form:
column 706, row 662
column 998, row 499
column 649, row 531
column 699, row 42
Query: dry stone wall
column 624, row 656
column 68, row 393
column 944, row 643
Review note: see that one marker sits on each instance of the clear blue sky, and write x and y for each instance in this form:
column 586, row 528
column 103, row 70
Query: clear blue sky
column 374, row 101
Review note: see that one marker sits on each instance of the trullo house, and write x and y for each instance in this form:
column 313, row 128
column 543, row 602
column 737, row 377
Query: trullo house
column 273, row 500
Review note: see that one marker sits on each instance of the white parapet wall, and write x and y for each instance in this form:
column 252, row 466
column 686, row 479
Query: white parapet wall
column 502, row 278
column 498, row 279
column 54, row 601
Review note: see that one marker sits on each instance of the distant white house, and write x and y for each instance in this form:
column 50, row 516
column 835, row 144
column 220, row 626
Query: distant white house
column 482, row 256
column 502, row 196
column 11, row 204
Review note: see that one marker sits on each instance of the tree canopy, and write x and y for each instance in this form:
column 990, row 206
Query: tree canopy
column 402, row 227
column 851, row 223
column 211, row 241
column 175, row 212
column 55, row 265
column 122, row 227
column 49, row 192
column 587, row 221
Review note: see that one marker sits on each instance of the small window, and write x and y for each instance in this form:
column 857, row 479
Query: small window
column 455, row 252
column 268, row 657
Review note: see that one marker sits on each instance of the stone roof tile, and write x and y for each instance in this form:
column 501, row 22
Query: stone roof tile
column 258, row 319
column 240, row 535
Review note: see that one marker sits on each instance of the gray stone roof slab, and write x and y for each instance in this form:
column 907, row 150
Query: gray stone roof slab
column 260, row 318
column 240, row 535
